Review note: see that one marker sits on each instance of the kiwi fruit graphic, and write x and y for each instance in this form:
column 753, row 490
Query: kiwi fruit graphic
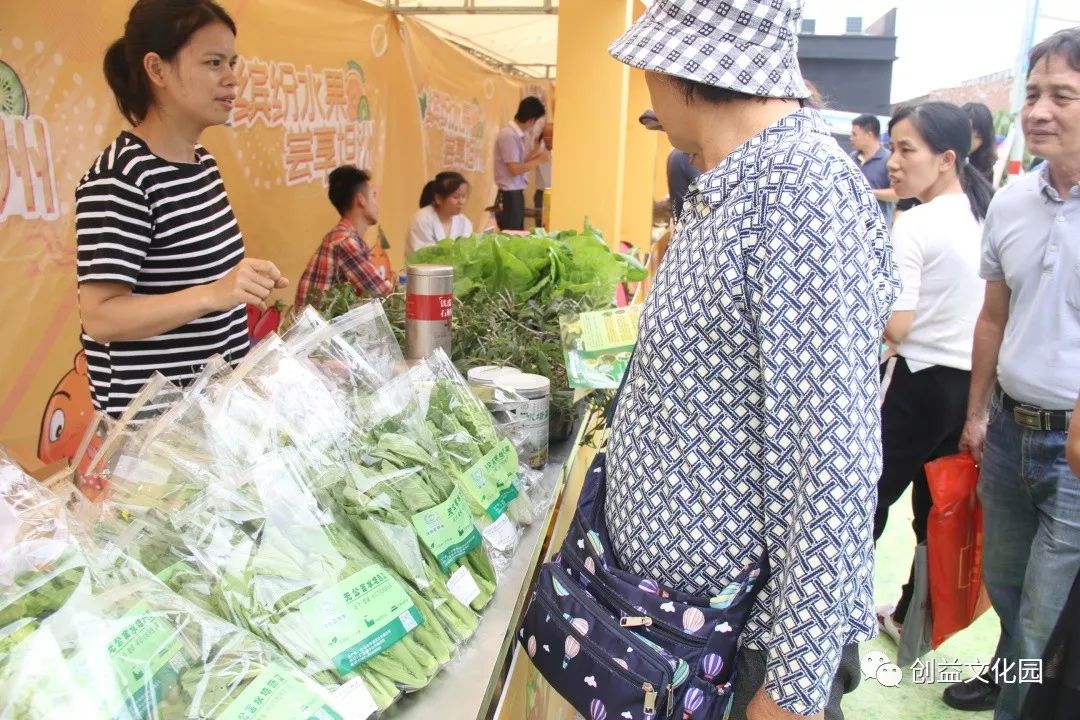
column 13, row 99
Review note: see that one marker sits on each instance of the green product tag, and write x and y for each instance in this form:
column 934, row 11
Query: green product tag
column 146, row 656
column 447, row 529
column 277, row 694
column 491, row 480
column 360, row 616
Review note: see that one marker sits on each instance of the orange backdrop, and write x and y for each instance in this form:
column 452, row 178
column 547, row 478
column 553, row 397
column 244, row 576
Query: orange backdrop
column 322, row 82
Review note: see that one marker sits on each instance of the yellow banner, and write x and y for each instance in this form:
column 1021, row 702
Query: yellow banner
column 322, row 83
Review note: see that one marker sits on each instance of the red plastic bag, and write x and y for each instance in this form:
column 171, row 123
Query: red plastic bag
column 954, row 543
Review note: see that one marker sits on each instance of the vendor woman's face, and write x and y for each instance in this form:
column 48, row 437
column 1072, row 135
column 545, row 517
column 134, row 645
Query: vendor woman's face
column 199, row 82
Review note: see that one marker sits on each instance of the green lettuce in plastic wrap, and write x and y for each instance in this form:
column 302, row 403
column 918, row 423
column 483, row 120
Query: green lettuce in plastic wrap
column 390, row 488
column 87, row 632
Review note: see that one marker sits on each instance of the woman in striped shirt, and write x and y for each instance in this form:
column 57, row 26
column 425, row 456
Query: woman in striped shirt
column 163, row 280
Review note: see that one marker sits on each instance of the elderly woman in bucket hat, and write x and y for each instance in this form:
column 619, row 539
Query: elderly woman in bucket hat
column 749, row 422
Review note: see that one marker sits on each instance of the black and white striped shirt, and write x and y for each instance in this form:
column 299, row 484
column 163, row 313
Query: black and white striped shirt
column 159, row 227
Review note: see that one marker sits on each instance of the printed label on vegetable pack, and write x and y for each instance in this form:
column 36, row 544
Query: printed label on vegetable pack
column 501, row 534
column 606, row 330
column 146, row 656
column 462, row 585
column 447, row 530
column 277, row 694
column 597, row 346
column 360, row 616
column 491, row 480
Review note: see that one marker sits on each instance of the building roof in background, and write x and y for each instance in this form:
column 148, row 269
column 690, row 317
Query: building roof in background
column 994, row 91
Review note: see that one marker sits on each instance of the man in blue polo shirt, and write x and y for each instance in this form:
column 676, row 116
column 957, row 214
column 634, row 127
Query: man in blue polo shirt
column 871, row 158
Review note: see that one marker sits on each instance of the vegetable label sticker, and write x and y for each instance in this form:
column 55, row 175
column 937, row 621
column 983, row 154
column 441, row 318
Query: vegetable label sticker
column 447, row 530
column 277, row 694
column 597, row 346
column 610, row 330
column 360, row 616
column 491, row 480
column 146, row 656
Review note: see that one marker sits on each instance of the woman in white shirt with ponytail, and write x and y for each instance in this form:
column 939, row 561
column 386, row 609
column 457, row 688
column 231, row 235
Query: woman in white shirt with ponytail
column 937, row 247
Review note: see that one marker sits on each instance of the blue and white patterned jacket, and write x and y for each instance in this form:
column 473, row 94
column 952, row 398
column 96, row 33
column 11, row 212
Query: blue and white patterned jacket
column 749, row 423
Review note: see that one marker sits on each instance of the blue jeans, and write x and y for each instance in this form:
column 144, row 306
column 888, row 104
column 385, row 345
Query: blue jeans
column 1031, row 503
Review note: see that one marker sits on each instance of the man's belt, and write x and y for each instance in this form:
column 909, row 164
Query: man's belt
column 1035, row 418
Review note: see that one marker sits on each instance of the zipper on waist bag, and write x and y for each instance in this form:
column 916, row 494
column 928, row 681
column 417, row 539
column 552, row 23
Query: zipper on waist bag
column 650, row 699
column 628, row 611
column 641, row 647
column 599, row 654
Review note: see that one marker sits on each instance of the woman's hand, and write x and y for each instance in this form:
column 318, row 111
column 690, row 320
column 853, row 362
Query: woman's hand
column 249, row 283
column 762, row 707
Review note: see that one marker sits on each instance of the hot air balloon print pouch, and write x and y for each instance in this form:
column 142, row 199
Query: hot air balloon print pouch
column 616, row 645
column 603, row 670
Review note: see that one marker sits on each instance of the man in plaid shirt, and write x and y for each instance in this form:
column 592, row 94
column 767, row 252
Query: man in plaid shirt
column 343, row 256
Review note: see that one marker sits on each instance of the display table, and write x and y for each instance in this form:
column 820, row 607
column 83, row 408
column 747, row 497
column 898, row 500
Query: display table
column 469, row 687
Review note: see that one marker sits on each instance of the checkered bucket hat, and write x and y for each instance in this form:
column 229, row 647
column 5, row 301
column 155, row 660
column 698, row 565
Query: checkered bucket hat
column 745, row 45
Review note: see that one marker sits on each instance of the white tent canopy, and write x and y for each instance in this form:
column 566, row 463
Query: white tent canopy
column 520, row 35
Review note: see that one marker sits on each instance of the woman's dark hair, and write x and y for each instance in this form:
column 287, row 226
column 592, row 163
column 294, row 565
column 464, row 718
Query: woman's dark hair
column 531, row 108
column 154, row 26
column 714, row 95
column 710, row 94
column 944, row 126
column 444, row 185
column 345, row 182
column 982, row 122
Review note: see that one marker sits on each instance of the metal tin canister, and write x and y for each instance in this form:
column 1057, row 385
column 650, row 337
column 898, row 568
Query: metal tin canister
column 535, row 416
column 429, row 302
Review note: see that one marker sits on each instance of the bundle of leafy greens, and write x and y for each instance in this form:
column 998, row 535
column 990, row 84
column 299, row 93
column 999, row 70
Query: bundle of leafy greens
column 509, row 293
column 392, row 488
column 469, row 443
column 282, row 568
column 87, row 632
column 541, row 265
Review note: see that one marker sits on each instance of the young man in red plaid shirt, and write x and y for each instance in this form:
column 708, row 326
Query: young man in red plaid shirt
column 343, row 256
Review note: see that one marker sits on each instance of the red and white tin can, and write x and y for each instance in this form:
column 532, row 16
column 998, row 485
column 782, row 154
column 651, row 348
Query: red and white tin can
column 429, row 305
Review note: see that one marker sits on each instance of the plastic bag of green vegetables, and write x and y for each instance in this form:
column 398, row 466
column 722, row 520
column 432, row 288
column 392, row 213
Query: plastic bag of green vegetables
column 399, row 496
column 89, row 633
column 284, row 569
column 341, row 364
column 141, row 489
column 391, row 490
column 468, row 440
column 306, row 407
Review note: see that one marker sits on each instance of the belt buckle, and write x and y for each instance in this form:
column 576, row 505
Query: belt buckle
column 1028, row 417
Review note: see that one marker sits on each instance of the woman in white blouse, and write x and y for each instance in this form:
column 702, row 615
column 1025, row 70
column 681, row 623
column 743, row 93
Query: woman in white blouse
column 442, row 203
column 937, row 247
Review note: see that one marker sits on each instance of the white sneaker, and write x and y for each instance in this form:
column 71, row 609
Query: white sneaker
column 888, row 625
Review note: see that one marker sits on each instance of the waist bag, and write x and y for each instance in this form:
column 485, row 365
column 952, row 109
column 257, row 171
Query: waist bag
column 618, row 645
